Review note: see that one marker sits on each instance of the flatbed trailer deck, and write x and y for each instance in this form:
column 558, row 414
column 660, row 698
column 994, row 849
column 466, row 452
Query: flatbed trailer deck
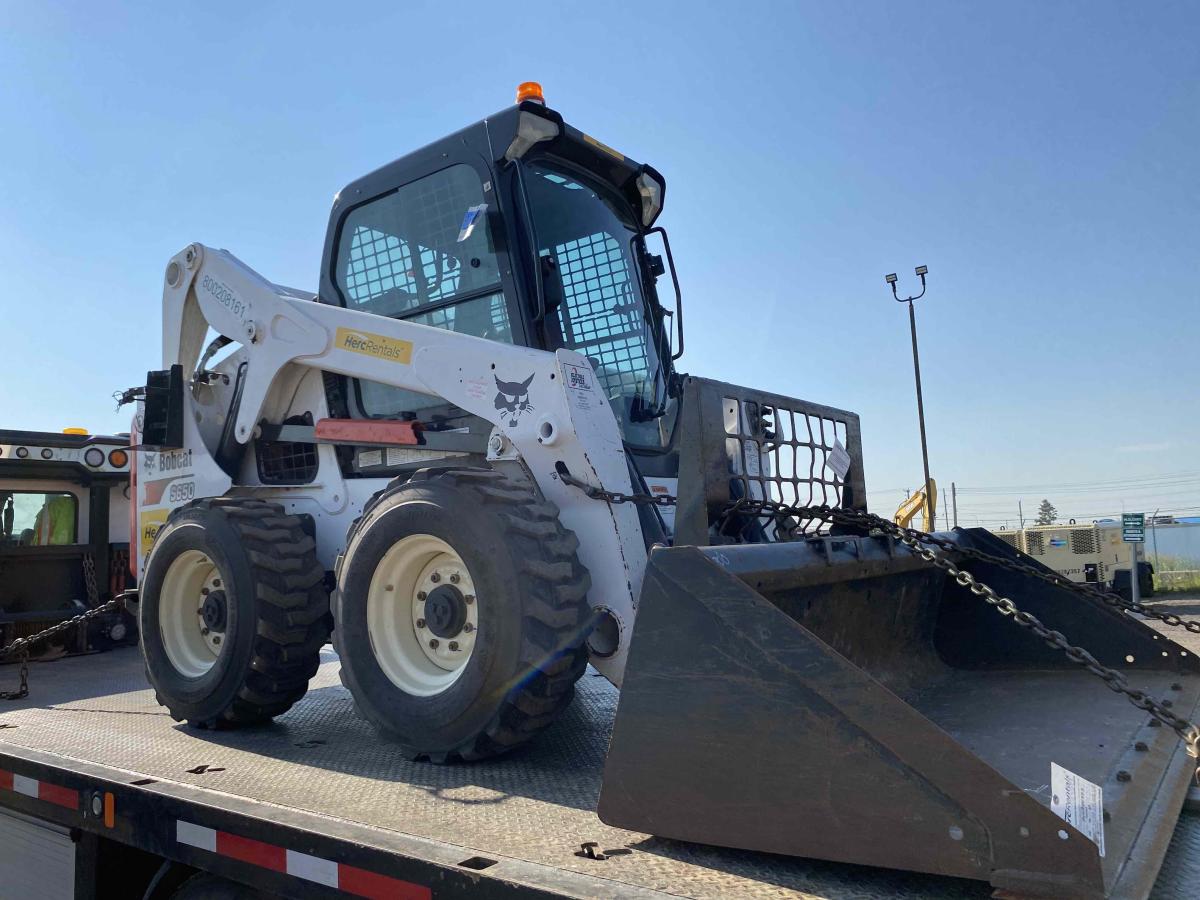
column 317, row 801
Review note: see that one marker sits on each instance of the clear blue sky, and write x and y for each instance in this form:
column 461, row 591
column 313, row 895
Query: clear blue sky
column 1040, row 158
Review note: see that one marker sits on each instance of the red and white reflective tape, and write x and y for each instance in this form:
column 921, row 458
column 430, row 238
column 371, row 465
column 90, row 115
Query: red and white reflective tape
column 39, row 790
column 350, row 879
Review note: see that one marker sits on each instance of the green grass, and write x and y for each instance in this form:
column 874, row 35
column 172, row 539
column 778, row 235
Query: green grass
column 1176, row 574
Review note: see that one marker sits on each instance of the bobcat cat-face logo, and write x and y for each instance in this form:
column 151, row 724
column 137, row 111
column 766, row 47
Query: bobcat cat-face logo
column 512, row 397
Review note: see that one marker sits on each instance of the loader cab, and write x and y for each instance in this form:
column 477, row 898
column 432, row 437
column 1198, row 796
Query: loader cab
column 518, row 228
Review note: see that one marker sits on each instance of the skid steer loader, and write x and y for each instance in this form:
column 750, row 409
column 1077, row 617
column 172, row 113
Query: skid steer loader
column 468, row 457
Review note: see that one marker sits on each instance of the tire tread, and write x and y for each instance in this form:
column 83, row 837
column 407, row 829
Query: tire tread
column 292, row 619
column 556, row 616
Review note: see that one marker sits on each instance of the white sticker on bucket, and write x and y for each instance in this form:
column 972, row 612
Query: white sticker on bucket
column 1078, row 802
column 839, row 459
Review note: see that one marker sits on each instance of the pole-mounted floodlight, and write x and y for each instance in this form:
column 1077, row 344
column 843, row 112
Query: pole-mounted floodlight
column 921, row 272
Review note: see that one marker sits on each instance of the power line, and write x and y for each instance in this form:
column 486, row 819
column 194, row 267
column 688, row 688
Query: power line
column 1103, row 486
column 1096, row 489
column 1110, row 514
column 1127, row 499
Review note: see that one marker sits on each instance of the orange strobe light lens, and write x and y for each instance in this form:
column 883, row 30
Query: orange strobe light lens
column 118, row 458
column 530, row 90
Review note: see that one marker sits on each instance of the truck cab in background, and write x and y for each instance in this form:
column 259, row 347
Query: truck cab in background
column 64, row 536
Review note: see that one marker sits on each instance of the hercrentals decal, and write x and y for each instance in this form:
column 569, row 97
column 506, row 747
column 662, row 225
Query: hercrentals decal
column 148, row 524
column 377, row 345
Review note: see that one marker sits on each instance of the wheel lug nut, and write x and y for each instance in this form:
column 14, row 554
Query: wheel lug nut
column 454, row 645
column 454, row 579
column 203, row 592
column 205, row 632
column 433, row 644
column 435, row 577
column 469, row 598
column 421, row 595
column 420, row 623
column 216, row 582
column 216, row 639
column 468, row 628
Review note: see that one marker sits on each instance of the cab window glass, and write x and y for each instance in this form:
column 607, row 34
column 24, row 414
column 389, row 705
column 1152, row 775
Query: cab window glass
column 37, row 519
column 591, row 235
column 424, row 253
column 423, row 244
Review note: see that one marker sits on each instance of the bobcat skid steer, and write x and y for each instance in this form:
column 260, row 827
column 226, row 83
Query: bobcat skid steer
column 470, row 459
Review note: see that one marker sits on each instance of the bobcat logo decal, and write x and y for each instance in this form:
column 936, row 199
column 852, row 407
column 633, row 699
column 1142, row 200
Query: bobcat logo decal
column 512, row 397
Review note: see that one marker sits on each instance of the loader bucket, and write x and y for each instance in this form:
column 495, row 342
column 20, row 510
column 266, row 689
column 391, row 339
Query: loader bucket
column 842, row 699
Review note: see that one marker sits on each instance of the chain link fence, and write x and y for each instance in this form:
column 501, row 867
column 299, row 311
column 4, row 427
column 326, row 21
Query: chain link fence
column 1174, row 551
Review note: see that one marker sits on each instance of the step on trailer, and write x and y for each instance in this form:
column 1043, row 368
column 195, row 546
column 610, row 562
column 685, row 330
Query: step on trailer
column 469, row 459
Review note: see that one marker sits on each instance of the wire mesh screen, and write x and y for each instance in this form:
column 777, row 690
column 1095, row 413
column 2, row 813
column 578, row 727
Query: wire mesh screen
column 287, row 462
column 601, row 315
column 409, row 248
column 378, row 262
column 754, row 446
column 284, row 462
column 784, row 456
column 484, row 317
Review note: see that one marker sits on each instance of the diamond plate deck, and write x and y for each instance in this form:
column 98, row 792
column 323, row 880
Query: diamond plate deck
column 536, row 805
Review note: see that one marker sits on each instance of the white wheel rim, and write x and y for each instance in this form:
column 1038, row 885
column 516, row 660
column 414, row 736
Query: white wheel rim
column 191, row 647
column 413, row 657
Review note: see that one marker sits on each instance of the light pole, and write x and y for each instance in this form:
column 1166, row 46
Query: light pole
column 921, row 272
column 1154, row 535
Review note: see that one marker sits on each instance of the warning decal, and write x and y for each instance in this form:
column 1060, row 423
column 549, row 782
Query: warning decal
column 1078, row 802
column 839, row 459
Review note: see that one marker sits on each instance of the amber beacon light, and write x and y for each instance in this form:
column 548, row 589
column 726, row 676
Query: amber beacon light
column 530, row 90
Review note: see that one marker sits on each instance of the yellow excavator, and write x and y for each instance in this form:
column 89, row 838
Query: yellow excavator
column 922, row 501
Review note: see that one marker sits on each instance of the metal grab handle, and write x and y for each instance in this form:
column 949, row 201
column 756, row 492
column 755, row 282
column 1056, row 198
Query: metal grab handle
column 678, row 316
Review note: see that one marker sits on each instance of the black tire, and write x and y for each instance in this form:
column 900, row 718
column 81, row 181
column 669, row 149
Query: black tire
column 277, row 612
column 533, row 614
